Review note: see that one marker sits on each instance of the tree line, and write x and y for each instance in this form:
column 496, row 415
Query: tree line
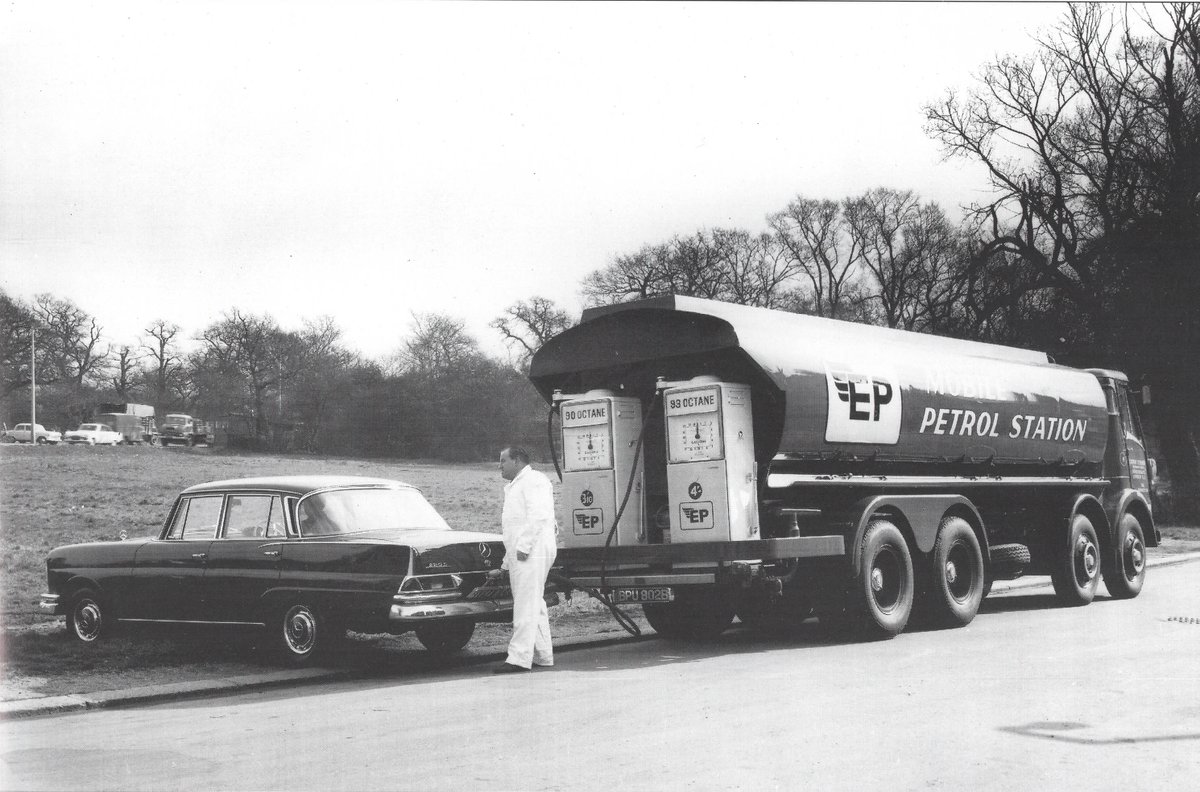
column 1085, row 247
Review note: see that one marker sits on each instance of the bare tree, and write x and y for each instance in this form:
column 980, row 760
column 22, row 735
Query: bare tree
column 125, row 370
column 527, row 324
column 815, row 237
column 165, row 372
column 72, row 338
column 438, row 344
column 1092, row 149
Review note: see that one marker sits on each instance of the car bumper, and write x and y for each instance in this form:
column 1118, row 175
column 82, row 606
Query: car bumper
column 429, row 611
column 50, row 603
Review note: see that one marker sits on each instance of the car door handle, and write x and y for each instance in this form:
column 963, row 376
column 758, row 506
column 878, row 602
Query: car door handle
column 199, row 556
column 272, row 553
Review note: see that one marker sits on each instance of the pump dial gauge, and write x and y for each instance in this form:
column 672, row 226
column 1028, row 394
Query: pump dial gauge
column 586, row 448
column 695, row 437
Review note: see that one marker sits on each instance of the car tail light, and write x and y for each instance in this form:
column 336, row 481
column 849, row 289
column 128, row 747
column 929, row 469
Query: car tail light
column 430, row 586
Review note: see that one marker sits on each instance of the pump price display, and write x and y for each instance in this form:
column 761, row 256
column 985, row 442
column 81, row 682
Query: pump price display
column 694, row 425
column 586, row 435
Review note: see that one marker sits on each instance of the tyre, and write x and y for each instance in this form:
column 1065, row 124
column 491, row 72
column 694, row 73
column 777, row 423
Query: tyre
column 1125, row 570
column 42, row 441
column 1077, row 569
column 693, row 616
column 87, row 617
column 956, row 575
column 299, row 634
column 445, row 637
column 883, row 590
column 162, row 441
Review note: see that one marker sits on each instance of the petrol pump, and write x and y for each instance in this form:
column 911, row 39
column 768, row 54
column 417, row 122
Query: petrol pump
column 600, row 454
column 712, row 478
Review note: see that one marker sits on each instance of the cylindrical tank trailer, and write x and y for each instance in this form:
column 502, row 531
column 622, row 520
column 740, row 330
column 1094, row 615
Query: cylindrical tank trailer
column 818, row 460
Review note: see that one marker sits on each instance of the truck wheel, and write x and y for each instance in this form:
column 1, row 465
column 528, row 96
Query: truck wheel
column 956, row 574
column 444, row 638
column 299, row 634
column 883, row 591
column 87, row 619
column 1126, row 568
column 1077, row 572
column 693, row 616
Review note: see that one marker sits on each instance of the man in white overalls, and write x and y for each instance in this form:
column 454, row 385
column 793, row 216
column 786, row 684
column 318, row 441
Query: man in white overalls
column 530, row 546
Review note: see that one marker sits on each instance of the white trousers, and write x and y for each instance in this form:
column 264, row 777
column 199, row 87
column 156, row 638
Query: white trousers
column 530, row 642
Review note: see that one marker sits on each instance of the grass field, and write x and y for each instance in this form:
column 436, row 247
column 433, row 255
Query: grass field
column 56, row 495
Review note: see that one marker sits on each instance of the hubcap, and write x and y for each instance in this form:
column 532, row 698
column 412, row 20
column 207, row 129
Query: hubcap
column 1135, row 557
column 87, row 620
column 886, row 579
column 300, row 630
column 1087, row 560
column 951, row 573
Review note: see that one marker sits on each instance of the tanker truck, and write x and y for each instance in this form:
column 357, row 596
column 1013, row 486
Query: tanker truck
column 722, row 460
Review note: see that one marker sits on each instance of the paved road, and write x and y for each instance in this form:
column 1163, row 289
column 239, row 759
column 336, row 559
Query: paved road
column 1028, row 696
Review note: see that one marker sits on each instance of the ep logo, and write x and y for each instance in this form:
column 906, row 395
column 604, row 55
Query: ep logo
column 863, row 408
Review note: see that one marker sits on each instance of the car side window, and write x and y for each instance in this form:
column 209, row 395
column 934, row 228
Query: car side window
column 253, row 517
column 196, row 518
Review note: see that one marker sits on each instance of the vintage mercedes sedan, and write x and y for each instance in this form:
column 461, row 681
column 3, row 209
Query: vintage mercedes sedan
column 303, row 557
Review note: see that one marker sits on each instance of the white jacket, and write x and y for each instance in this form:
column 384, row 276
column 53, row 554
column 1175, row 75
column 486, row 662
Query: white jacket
column 528, row 516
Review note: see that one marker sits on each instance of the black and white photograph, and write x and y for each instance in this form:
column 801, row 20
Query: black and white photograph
column 414, row 395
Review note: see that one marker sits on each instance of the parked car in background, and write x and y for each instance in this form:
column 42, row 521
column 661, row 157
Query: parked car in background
column 21, row 434
column 94, row 434
column 303, row 558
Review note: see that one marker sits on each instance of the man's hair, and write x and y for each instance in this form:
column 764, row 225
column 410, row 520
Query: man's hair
column 518, row 453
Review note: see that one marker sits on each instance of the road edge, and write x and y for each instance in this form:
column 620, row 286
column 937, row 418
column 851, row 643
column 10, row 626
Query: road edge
column 57, row 705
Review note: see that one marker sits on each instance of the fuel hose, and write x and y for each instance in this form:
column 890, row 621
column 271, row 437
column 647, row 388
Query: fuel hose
column 601, row 593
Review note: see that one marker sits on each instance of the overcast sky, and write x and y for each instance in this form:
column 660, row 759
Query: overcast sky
column 368, row 160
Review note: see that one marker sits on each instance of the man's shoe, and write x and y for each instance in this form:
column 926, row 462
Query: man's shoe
column 509, row 668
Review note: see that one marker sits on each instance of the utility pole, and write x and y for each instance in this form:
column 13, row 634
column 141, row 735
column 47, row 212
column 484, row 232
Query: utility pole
column 33, row 384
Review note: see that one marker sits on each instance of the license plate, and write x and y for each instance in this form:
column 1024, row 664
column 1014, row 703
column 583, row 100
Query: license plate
column 655, row 594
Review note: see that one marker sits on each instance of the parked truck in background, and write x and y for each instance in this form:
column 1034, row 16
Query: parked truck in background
column 185, row 430
column 776, row 466
column 135, row 422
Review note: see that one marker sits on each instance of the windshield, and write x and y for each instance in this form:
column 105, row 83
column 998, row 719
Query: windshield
column 355, row 510
column 175, row 420
column 89, row 427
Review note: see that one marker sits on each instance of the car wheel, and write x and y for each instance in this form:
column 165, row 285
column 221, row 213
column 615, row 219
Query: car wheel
column 1077, row 569
column 695, row 615
column 883, row 593
column 42, row 441
column 1126, row 568
column 87, row 620
column 445, row 637
column 298, row 634
column 956, row 574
